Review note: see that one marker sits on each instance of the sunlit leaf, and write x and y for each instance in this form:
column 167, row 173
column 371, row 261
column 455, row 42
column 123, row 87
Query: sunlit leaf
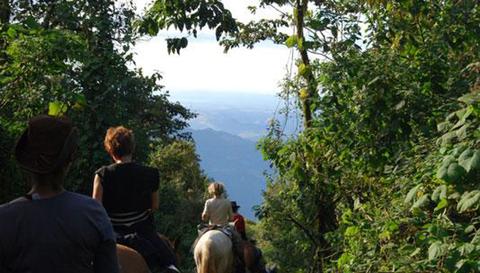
column 56, row 108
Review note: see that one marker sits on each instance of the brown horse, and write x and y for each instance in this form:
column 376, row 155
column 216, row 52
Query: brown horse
column 130, row 261
column 252, row 258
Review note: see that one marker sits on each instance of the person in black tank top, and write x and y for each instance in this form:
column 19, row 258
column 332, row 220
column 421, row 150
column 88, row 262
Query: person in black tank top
column 129, row 193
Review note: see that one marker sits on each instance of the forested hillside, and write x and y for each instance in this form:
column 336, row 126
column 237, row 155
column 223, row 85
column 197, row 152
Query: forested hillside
column 382, row 178
column 73, row 58
column 235, row 162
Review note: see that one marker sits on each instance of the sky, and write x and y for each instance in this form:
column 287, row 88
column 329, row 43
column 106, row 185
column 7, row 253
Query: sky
column 203, row 66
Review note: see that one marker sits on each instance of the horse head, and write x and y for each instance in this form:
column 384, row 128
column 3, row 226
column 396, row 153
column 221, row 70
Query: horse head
column 174, row 245
column 130, row 261
column 253, row 258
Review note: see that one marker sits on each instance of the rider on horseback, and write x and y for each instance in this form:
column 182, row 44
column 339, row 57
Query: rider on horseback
column 129, row 193
column 218, row 212
column 238, row 221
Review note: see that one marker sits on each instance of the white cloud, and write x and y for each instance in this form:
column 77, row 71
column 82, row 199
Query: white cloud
column 203, row 66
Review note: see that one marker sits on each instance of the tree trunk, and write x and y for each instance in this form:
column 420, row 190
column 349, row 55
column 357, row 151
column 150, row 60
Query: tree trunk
column 4, row 21
column 306, row 100
column 4, row 12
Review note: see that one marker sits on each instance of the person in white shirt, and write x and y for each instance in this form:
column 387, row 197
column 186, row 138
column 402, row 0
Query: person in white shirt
column 217, row 210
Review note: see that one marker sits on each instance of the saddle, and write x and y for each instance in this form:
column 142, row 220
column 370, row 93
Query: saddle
column 204, row 228
column 234, row 236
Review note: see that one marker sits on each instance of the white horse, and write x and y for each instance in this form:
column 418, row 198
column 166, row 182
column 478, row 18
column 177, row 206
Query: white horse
column 213, row 253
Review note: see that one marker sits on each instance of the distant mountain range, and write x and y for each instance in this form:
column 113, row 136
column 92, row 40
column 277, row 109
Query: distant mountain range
column 235, row 162
column 244, row 115
column 225, row 132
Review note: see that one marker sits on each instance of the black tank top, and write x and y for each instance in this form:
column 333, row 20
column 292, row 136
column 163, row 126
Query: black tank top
column 127, row 191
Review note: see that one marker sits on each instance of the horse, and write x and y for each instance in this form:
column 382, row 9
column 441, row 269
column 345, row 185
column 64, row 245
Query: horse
column 213, row 253
column 253, row 258
column 130, row 261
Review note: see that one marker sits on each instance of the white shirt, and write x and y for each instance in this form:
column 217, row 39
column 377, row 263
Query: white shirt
column 218, row 211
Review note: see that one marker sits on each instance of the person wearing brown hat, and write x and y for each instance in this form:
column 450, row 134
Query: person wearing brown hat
column 51, row 229
column 238, row 221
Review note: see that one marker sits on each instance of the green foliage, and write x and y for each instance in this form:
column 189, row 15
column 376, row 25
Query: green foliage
column 387, row 175
column 189, row 16
column 182, row 193
column 291, row 41
column 384, row 177
column 64, row 57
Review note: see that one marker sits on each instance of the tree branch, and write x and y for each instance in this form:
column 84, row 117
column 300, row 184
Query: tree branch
column 304, row 229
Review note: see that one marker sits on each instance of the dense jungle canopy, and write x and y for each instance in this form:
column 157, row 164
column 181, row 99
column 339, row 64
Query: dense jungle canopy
column 383, row 177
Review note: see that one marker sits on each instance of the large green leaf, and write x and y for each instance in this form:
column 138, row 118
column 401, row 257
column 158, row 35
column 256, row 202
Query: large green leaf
column 457, row 151
column 351, row 231
column 470, row 98
column 468, row 200
column 291, row 41
column 411, row 194
column 435, row 250
column 344, row 260
column 455, row 172
column 447, row 160
column 421, row 202
column 447, row 137
column 442, row 204
column 462, row 132
column 443, row 126
column 439, row 193
column 442, row 173
column 470, row 159
column 57, row 108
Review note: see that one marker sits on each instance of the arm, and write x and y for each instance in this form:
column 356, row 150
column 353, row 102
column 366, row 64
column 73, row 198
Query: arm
column 205, row 216
column 230, row 213
column 2, row 259
column 97, row 189
column 154, row 189
column 105, row 260
column 105, row 257
column 155, row 200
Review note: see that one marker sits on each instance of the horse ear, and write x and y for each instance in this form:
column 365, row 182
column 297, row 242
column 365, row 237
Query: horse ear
column 176, row 243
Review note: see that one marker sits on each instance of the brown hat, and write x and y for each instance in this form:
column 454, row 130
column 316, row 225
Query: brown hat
column 47, row 144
